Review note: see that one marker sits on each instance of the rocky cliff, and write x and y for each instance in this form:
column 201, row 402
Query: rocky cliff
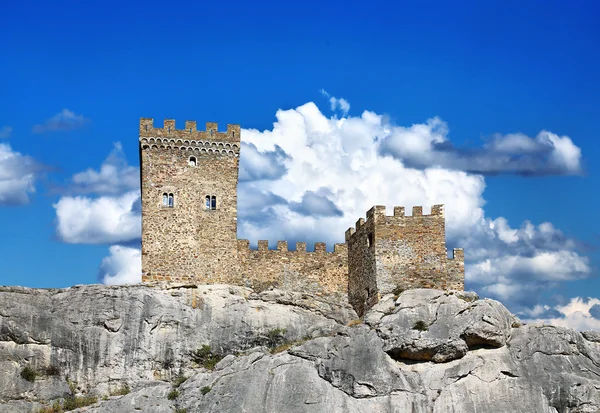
column 218, row 348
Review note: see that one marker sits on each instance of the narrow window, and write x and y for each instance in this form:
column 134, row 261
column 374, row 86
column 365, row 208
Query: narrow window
column 165, row 200
column 370, row 239
column 207, row 202
column 192, row 161
column 170, row 200
column 214, row 202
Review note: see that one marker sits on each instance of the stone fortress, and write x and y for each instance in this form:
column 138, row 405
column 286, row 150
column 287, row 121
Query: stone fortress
column 189, row 230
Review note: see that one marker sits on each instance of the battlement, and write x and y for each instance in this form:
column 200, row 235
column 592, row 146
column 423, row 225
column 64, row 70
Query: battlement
column 458, row 254
column 378, row 214
column 208, row 141
column 282, row 246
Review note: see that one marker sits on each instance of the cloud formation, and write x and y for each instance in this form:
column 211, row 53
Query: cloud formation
column 5, row 132
column 336, row 169
column 63, row 121
column 579, row 314
column 114, row 177
column 427, row 145
column 103, row 220
column 258, row 165
column 341, row 103
column 122, row 266
column 17, row 176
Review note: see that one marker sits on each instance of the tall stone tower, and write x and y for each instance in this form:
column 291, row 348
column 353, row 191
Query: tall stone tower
column 189, row 202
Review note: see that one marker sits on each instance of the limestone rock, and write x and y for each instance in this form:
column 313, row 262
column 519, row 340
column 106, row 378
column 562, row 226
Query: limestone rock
column 286, row 352
column 432, row 325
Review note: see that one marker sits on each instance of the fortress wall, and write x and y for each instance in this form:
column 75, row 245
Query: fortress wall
column 455, row 268
column 319, row 272
column 410, row 250
column 362, row 282
column 188, row 243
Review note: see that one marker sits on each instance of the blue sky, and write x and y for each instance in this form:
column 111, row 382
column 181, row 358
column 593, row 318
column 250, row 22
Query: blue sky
column 75, row 79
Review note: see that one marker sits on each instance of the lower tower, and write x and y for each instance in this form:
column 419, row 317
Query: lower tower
column 391, row 253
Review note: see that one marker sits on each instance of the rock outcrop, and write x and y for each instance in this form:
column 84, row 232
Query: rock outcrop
column 219, row 348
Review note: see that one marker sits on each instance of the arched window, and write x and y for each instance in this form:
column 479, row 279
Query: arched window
column 171, row 200
column 213, row 204
column 207, row 202
column 192, row 161
column 165, row 200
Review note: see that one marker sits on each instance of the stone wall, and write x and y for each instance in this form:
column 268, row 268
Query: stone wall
column 188, row 242
column 362, row 283
column 318, row 272
column 410, row 250
column 455, row 268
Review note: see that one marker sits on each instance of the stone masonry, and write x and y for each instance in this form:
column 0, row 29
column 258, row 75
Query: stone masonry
column 189, row 229
column 393, row 253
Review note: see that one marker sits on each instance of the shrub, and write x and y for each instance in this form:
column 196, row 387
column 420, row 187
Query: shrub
column 28, row 374
column 282, row 347
column 275, row 337
column 121, row 391
column 75, row 402
column 180, row 410
column 205, row 357
column 173, row 394
column 179, row 381
column 421, row 326
column 205, row 390
column 55, row 408
column 52, row 370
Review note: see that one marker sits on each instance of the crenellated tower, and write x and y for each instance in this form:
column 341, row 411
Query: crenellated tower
column 189, row 183
column 399, row 251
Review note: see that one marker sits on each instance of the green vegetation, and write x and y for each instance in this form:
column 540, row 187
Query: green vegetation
column 52, row 370
column 173, row 394
column 28, row 374
column 205, row 357
column 421, row 326
column 180, row 410
column 75, row 402
column 179, row 381
column 70, row 403
column 205, row 390
column 121, row 391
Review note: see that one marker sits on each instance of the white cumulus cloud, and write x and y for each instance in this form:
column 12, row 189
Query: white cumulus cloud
column 330, row 171
column 426, row 145
column 122, row 266
column 103, row 220
column 337, row 103
column 579, row 314
column 114, row 177
column 17, row 176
